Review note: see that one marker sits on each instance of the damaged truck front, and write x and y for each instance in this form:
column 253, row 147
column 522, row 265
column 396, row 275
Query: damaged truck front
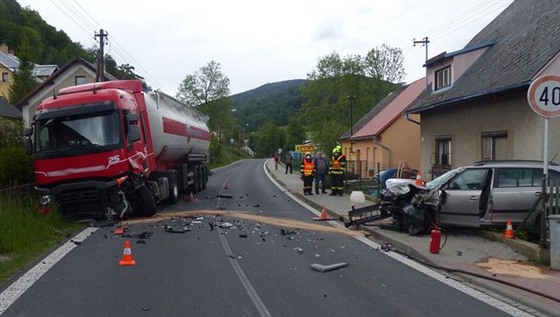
column 108, row 149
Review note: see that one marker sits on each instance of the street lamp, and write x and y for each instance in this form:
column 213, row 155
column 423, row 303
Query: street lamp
column 351, row 98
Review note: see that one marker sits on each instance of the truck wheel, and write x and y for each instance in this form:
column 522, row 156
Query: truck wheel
column 197, row 179
column 173, row 188
column 204, row 177
column 147, row 203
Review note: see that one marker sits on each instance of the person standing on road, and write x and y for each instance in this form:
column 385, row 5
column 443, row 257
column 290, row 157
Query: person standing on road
column 321, row 175
column 338, row 164
column 276, row 160
column 289, row 162
column 307, row 174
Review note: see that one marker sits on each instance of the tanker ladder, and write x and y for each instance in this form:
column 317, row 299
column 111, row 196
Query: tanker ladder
column 365, row 214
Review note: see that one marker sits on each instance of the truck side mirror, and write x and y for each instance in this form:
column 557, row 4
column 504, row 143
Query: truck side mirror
column 27, row 142
column 133, row 133
column 133, row 129
column 28, row 146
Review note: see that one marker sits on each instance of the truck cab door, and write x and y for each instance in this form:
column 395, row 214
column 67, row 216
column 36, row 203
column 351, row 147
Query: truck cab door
column 136, row 149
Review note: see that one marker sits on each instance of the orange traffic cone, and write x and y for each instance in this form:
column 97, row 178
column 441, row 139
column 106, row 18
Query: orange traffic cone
column 419, row 181
column 509, row 234
column 226, row 186
column 127, row 259
column 324, row 214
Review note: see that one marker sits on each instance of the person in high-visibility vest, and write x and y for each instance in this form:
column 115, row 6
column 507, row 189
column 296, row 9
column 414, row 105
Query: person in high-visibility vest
column 337, row 167
column 307, row 174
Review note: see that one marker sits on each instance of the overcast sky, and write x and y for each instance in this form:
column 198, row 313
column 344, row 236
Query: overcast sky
column 261, row 41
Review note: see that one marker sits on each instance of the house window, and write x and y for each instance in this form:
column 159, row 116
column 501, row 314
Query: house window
column 443, row 150
column 443, row 78
column 494, row 145
column 80, row 80
column 5, row 77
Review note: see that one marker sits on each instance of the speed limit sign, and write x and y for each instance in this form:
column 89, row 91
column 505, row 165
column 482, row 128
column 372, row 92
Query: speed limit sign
column 544, row 96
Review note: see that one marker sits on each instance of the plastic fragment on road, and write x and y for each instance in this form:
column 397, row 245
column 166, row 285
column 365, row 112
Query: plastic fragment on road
column 326, row 268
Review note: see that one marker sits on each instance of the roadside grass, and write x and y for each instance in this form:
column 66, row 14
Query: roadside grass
column 26, row 234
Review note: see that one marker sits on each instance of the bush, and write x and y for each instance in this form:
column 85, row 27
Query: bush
column 16, row 167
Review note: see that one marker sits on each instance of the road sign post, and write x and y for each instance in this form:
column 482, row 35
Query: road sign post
column 544, row 98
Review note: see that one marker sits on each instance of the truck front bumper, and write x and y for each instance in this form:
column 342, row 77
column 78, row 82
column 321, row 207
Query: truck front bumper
column 81, row 200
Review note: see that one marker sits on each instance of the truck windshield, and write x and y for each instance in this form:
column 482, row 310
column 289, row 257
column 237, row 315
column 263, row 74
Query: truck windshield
column 78, row 134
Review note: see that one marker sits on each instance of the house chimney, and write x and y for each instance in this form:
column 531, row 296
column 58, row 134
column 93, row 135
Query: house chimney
column 4, row 48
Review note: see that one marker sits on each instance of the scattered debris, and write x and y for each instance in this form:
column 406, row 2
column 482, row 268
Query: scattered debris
column 243, row 235
column 299, row 250
column 120, row 230
column 386, row 247
column 326, row 268
column 102, row 223
column 168, row 228
column 225, row 195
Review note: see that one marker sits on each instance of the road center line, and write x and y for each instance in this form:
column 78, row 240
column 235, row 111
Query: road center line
column 263, row 311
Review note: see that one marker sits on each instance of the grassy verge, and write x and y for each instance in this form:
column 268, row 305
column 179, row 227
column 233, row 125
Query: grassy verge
column 25, row 234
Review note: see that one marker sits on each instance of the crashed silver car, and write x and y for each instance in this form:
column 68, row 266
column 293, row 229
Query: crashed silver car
column 491, row 192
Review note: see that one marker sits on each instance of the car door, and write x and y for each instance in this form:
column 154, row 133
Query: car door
column 462, row 197
column 515, row 192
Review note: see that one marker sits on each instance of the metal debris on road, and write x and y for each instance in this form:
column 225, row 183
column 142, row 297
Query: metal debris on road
column 326, row 268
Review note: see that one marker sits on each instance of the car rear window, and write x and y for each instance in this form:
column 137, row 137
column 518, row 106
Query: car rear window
column 518, row 177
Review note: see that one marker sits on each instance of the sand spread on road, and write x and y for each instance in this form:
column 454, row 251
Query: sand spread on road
column 275, row 221
column 513, row 267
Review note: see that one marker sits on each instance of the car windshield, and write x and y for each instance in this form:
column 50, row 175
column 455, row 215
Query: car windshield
column 441, row 180
column 78, row 134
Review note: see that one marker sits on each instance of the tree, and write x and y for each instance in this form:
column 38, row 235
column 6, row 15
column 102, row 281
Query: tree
column 326, row 108
column 24, row 80
column 268, row 140
column 208, row 90
column 295, row 134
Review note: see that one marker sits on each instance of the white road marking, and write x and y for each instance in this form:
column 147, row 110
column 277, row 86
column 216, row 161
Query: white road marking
column 492, row 301
column 259, row 304
column 14, row 291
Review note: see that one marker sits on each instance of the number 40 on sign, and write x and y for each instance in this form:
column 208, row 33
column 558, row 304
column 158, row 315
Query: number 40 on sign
column 544, row 96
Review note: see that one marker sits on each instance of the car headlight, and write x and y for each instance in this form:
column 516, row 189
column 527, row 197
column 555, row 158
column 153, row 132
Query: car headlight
column 45, row 200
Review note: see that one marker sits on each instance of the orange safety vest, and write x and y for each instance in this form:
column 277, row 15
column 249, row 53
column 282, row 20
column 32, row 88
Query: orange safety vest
column 308, row 168
column 338, row 164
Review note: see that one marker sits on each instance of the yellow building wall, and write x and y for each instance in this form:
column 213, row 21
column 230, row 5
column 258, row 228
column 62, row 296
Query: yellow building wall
column 398, row 144
column 5, row 86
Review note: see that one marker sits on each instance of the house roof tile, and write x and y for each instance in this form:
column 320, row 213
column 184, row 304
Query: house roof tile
column 392, row 111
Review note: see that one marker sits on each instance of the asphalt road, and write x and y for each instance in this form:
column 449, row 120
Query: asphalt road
column 235, row 267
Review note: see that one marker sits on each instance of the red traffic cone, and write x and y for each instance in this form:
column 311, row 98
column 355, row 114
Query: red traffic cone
column 226, row 186
column 127, row 259
column 191, row 198
column 509, row 234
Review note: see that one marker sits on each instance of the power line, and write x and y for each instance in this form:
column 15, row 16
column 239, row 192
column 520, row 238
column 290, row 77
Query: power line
column 80, row 16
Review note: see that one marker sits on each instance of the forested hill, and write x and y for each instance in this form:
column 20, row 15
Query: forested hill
column 270, row 103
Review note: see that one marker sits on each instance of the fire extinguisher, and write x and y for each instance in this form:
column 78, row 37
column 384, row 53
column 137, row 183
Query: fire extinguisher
column 435, row 239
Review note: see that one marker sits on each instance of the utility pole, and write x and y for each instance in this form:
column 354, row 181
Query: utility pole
column 424, row 42
column 100, row 72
